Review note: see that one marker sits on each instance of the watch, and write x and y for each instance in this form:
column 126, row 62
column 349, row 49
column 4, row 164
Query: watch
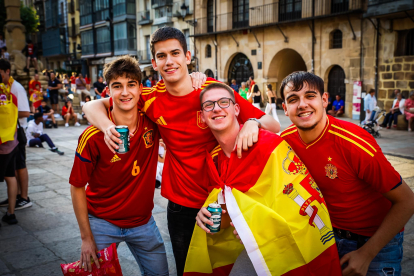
column 256, row 120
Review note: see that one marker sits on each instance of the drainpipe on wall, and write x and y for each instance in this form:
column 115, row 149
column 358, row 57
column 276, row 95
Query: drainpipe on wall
column 376, row 58
column 361, row 54
column 215, row 36
column 313, row 37
column 195, row 46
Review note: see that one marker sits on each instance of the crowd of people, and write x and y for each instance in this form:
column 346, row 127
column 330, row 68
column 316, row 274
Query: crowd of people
column 199, row 120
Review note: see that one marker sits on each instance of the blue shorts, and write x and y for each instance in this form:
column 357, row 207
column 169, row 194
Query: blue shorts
column 144, row 242
column 388, row 260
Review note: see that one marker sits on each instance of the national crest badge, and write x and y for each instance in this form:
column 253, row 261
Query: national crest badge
column 200, row 123
column 148, row 138
column 331, row 171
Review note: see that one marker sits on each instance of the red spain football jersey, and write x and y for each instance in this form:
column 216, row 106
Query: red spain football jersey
column 121, row 186
column 352, row 173
column 185, row 179
column 32, row 86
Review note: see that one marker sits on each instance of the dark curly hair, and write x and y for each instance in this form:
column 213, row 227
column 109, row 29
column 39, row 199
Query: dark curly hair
column 124, row 66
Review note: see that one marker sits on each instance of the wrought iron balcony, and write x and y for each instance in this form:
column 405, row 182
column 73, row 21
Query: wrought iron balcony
column 160, row 3
column 144, row 17
column 144, row 56
column 127, row 44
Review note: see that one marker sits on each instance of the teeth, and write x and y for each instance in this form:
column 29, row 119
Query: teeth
column 220, row 117
column 305, row 114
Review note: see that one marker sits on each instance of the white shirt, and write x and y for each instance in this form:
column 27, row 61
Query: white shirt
column 6, row 55
column 22, row 102
column 33, row 128
column 2, row 43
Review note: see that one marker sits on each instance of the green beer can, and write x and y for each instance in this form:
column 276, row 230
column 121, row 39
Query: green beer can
column 124, row 131
column 215, row 211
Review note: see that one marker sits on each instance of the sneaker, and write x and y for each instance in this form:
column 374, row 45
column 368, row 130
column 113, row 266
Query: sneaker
column 55, row 125
column 388, row 127
column 77, row 124
column 10, row 219
column 66, row 125
column 57, row 151
column 394, row 126
column 4, row 203
column 22, row 203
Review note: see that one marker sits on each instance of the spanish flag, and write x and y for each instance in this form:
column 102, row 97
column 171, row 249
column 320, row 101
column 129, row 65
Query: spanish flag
column 277, row 209
column 8, row 113
column 36, row 98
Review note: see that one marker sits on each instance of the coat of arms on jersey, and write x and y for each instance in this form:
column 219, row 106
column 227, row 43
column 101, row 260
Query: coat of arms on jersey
column 200, row 123
column 331, row 171
column 148, row 138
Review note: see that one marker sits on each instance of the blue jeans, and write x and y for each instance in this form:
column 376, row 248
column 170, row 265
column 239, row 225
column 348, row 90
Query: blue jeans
column 39, row 140
column 144, row 242
column 98, row 96
column 388, row 260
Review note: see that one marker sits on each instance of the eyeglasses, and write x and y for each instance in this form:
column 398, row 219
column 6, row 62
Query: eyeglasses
column 222, row 103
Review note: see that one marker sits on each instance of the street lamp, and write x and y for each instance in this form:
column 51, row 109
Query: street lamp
column 184, row 11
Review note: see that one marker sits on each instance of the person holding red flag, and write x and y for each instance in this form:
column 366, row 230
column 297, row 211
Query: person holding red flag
column 270, row 185
column 368, row 201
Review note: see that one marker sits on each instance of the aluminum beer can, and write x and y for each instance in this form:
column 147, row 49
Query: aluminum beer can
column 215, row 210
column 124, row 131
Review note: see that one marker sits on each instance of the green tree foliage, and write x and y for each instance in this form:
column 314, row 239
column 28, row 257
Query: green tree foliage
column 30, row 19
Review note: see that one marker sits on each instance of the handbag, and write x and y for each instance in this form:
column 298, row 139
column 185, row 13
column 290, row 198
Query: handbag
column 21, row 135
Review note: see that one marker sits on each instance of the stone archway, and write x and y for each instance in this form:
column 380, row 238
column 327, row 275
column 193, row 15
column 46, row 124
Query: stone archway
column 336, row 82
column 283, row 63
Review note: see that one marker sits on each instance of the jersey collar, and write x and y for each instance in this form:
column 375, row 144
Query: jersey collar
column 112, row 119
column 320, row 135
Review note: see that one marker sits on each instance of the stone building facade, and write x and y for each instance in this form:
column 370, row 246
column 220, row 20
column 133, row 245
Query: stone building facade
column 271, row 39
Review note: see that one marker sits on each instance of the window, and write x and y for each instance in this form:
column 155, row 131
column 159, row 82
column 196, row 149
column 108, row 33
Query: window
column 121, row 7
column 405, row 43
column 336, row 39
column 208, row 51
column 85, row 12
column 125, row 36
column 101, row 9
column 290, row 10
column 187, row 38
column 163, row 12
column 240, row 13
column 103, row 40
column 87, row 42
column 147, row 47
column 210, row 16
column 339, row 6
column 209, row 73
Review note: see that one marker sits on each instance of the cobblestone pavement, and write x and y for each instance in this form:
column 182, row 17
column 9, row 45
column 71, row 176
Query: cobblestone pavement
column 47, row 233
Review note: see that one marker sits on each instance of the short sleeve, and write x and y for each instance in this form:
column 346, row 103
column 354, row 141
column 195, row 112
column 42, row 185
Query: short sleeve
column 85, row 160
column 247, row 110
column 20, row 93
column 377, row 171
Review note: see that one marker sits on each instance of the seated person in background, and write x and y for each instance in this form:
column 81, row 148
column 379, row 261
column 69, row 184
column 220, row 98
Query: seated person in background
column 234, row 85
column 87, row 99
column 81, row 86
column 31, row 55
column 35, row 135
column 99, row 86
column 337, row 107
column 4, row 53
column 36, row 97
column 409, row 109
column 329, row 103
column 396, row 109
column 68, row 113
column 47, row 112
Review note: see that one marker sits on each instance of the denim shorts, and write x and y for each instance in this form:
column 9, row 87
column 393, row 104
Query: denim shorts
column 388, row 260
column 144, row 242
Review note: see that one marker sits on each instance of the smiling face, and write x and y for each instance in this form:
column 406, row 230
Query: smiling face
column 125, row 93
column 219, row 119
column 171, row 60
column 306, row 107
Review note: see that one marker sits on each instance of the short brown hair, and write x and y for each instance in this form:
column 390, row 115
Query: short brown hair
column 217, row 85
column 299, row 79
column 124, row 66
column 165, row 33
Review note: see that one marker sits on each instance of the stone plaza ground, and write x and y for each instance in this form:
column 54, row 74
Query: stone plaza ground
column 47, row 234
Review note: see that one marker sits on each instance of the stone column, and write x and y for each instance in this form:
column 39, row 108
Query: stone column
column 14, row 29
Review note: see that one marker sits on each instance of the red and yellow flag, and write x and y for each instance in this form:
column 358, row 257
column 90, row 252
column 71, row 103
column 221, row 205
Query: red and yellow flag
column 278, row 211
column 8, row 112
column 36, row 98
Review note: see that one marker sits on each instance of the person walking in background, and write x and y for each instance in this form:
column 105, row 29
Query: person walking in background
column 99, row 86
column 35, row 135
column 251, row 82
column 409, row 109
column 257, row 96
column 271, row 95
column 73, row 82
column 54, row 86
column 396, row 110
column 81, row 86
column 243, row 90
column 369, row 105
column 68, row 113
column 31, row 55
column 234, row 85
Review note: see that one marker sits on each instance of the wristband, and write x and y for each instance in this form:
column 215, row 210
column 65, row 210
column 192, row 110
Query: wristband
column 256, row 120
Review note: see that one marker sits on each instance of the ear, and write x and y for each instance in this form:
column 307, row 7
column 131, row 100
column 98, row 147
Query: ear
column 285, row 109
column 154, row 64
column 188, row 57
column 202, row 116
column 140, row 89
column 236, row 109
column 325, row 100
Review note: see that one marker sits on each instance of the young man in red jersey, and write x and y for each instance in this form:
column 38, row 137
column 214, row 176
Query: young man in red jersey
column 118, row 201
column 368, row 202
column 175, row 106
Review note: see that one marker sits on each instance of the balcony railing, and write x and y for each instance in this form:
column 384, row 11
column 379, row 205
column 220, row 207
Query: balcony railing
column 73, row 31
column 144, row 17
column 272, row 14
column 144, row 56
column 103, row 47
column 101, row 15
column 127, row 44
column 86, row 19
column 160, row 3
column 87, row 50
